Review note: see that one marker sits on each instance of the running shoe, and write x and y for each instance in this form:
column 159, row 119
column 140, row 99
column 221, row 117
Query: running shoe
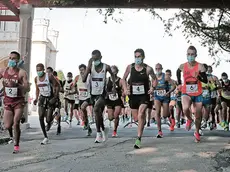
column 188, row 125
column 98, row 138
column 45, row 141
column 105, row 134
column 160, row 134
column 137, row 144
column 114, row 134
column 16, row 149
column 11, row 140
column 197, row 137
column 89, row 131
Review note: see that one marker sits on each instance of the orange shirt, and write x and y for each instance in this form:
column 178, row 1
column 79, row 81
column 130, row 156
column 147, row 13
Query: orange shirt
column 191, row 86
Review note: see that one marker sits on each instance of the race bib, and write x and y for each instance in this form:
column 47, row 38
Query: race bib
column 138, row 89
column 206, row 93
column 83, row 93
column 173, row 94
column 97, row 87
column 213, row 94
column 191, row 88
column 44, row 91
column 11, row 92
column 113, row 97
column 160, row 92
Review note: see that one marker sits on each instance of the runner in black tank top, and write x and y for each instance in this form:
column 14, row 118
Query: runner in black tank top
column 139, row 90
column 139, row 86
column 114, row 103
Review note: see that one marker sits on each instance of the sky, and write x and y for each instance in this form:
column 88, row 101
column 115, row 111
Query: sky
column 82, row 30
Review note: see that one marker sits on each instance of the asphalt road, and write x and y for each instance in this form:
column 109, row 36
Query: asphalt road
column 73, row 151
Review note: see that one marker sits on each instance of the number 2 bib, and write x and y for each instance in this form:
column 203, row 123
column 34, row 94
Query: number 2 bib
column 138, row 89
column 191, row 88
column 11, row 92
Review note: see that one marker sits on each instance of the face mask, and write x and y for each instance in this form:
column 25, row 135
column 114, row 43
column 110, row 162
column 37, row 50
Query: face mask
column 97, row 62
column 69, row 78
column 138, row 60
column 12, row 63
column 158, row 72
column 191, row 59
column 225, row 80
column 40, row 73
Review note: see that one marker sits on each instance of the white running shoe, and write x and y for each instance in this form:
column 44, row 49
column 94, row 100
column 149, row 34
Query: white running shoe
column 70, row 125
column 98, row 138
column 11, row 141
column 45, row 141
column 105, row 134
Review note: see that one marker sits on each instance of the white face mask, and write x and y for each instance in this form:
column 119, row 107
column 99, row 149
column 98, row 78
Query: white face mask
column 69, row 78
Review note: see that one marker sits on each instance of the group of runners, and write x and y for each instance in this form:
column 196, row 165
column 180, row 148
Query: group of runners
column 198, row 95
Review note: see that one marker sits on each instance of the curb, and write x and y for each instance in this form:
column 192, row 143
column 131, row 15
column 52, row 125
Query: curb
column 4, row 140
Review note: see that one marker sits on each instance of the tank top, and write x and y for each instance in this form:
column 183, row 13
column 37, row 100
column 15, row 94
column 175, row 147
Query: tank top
column 139, row 81
column 225, row 90
column 83, row 88
column 109, row 87
column 191, row 86
column 76, row 98
column 162, row 86
column 206, row 90
column 68, row 88
column 98, row 81
column 44, row 86
column 213, row 85
column 11, row 86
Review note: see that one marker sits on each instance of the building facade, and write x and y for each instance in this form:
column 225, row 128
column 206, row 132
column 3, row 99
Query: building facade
column 44, row 44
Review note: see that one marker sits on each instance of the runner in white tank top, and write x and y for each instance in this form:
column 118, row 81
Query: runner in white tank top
column 69, row 91
column 98, row 72
column 47, row 91
column 84, row 96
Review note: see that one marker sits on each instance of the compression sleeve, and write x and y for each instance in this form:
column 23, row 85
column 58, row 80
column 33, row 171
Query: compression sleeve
column 203, row 77
column 178, row 74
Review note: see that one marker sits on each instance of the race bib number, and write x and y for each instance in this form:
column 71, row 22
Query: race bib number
column 213, row 94
column 83, row 93
column 138, row 89
column 97, row 87
column 173, row 94
column 113, row 97
column 160, row 93
column 44, row 91
column 11, row 92
column 191, row 88
column 206, row 93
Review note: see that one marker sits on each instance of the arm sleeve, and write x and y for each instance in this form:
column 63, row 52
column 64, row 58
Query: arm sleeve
column 203, row 77
column 178, row 74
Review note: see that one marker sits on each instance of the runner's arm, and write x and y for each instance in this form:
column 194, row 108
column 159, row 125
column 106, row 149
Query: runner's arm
column 2, row 72
column 37, row 89
column 178, row 74
column 25, row 83
column 126, row 74
column 202, row 74
column 172, row 83
column 88, row 70
column 108, row 68
column 56, row 85
column 153, row 77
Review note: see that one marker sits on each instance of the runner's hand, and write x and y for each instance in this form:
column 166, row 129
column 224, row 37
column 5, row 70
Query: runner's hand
column 35, row 102
column 127, row 92
column 52, row 101
column 150, row 91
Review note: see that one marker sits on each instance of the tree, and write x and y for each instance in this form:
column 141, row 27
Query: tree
column 210, row 26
